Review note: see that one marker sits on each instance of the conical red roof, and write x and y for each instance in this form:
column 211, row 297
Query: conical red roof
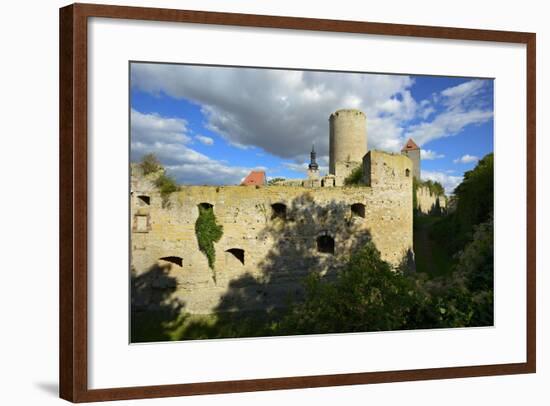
column 410, row 145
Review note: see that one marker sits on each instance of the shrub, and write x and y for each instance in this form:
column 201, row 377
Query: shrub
column 149, row 164
column 166, row 185
column 367, row 296
column 355, row 177
column 274, row 181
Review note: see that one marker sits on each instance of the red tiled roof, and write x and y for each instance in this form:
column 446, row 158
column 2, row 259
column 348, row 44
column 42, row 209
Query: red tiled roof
column 254, row 178
column 410, row 145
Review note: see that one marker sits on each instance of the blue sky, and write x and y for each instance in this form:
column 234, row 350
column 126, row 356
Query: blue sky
column 212, row 125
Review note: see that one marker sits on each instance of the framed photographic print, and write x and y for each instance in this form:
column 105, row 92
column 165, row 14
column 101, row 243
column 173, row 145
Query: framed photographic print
column 255, row 202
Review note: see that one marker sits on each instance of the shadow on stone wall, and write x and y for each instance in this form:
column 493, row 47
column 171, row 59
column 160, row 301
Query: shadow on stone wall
column 153, row 308
column 254, row 302
column 295, row 254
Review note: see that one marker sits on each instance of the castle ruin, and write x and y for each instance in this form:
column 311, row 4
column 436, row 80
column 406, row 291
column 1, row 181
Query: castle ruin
column 273, row 236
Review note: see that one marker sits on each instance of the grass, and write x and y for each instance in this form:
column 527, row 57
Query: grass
column 431, row 256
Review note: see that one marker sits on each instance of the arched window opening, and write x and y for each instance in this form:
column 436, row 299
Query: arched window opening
column 407, row 172
column 205, row 205
column 237, row 253
column 358, row 209
column 325, row 244
column 173, row 260
column 278, row 210
column 144, row 199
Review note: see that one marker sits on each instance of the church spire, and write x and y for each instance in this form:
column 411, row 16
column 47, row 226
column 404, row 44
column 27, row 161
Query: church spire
column 313, row 163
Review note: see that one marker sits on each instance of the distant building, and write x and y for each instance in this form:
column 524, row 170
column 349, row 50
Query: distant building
column 413, row 152
column 254, row 178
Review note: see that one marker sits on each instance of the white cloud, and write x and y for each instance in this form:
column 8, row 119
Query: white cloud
column 284, row 112
column 466, row 159
column 463, row 106
column 149, row 128
column 463, row 93
column 167, row 139
column 447, row 124
column 449, row 182
column 203, row 139
column 426, row 109
column 428, row 154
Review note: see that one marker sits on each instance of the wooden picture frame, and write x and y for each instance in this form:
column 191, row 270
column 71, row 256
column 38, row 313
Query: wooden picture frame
column 73, row 199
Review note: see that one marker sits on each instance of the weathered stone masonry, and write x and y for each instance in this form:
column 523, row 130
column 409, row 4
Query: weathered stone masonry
column 426, row 200
column 272, row 236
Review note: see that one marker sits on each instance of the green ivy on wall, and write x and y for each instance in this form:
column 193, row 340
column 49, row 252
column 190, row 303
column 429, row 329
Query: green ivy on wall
column 208, row 232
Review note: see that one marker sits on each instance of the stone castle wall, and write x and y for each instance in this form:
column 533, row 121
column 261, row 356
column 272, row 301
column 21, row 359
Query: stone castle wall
column 279, row 247
column 426, row 200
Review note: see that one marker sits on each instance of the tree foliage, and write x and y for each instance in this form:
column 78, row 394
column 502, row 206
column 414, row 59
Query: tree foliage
column 150, row 164
column 369, row 296
column 475, row 195
column 355, row 178
column 274, row 181
column 474, row 205
column 434, row 187
column 166, row 185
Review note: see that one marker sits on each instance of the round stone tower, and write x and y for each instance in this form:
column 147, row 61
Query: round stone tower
column 348, row 142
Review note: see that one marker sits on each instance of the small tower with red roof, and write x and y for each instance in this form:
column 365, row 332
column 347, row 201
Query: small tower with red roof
column 412, row 150
column 254, row 178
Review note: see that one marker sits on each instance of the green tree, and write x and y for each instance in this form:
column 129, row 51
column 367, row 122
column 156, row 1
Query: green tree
column 474, row 205
column 367, row 296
